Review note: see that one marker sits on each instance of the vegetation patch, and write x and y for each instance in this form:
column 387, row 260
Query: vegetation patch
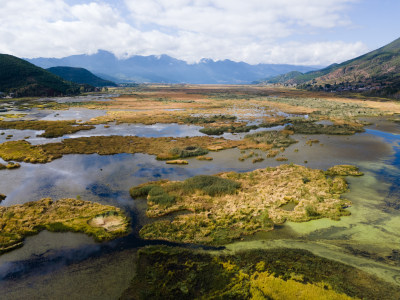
column 177, row 162
column 204, row 158
column 273, row 153
column 230, row 205
column 326, row 107
column 344, row 170
column 188, row 151
column 103, row 222
column 218, row 130
column 24, row 151
column 51, row 128
column 258, row 159
column 165, row 148
column 311, row 142
column 12, row 165
column 203, row 184
column 281, row 159
column 336, row 129
column 276, row 138
column 208, row 119
column 176, row 273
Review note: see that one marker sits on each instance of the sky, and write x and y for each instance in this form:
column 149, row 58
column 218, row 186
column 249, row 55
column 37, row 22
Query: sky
column 301, row 32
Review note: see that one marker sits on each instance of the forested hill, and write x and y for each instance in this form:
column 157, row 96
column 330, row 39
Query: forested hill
column 375, row 73
column 23, row 79
column 80, row 76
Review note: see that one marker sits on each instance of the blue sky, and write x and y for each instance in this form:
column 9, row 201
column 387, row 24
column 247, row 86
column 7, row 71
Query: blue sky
column 307, row 32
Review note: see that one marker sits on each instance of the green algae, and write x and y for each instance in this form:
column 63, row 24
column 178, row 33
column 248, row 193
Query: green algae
column 177, row 273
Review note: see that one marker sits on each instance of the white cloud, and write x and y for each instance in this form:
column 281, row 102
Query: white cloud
column 253, row 31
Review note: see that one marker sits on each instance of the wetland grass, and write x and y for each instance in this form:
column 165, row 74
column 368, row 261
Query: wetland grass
column 231, row 205
column 165, row 148
column 19, row 221
column 51, row 128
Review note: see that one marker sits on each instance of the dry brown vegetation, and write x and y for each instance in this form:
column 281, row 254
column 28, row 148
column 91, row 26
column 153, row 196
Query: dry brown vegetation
column 165, row 148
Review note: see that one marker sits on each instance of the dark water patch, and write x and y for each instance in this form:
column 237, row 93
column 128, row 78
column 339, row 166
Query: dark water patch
column 390, row 172
column 103, row 191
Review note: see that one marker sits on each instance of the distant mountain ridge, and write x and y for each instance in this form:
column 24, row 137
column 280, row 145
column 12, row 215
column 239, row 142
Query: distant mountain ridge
column 374, row 73
column 166, row 69
column 80, row 76
column 21, row 78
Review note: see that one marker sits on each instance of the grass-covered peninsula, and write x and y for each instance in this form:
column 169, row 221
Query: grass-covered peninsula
column 165, row 148
column 221, row 208
column 103, row 222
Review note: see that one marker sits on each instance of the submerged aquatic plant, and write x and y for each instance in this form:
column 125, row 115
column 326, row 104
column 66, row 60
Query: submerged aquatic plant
column 181, row 273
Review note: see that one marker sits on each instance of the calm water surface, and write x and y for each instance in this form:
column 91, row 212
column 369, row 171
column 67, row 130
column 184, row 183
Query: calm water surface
column 61, row 264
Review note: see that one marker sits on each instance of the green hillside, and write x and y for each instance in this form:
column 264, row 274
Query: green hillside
column 80, row 76
column 25, row 79
column 375, row 73
column 294, row 78
column 283, row 78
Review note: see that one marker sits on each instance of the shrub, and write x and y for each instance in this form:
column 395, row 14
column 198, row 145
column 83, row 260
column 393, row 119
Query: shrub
column 311, row 212
column 141, row 191
column 189, row 151
column 159, row 196
column 276, row 138
column 155, row 193
column 214, row 130
column 58, row 227
column 210, row 185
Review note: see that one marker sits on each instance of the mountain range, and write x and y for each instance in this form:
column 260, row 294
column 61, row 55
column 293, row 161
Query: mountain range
column 165, row 69
column 376, row 73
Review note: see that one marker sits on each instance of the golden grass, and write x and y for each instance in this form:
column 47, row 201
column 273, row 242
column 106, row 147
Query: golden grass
column 266, row 286
column 106, row 145
column 255, row 206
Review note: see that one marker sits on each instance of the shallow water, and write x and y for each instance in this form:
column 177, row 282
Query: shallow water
column 51, row 261
column 370, row 238
column 81, row 114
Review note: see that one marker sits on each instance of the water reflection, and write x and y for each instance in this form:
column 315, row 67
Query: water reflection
column 371, row 230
